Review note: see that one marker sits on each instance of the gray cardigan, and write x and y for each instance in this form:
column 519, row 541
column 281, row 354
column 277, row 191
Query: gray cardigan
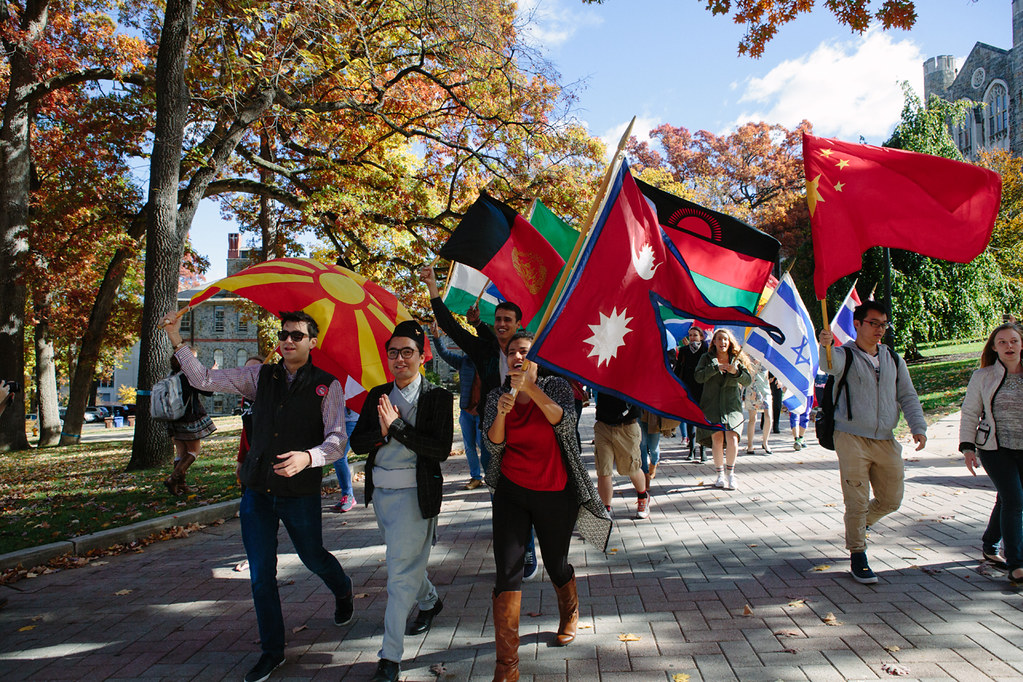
column 875, row 402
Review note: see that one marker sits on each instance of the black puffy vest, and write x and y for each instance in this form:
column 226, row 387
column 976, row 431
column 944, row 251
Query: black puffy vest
column 283, row 419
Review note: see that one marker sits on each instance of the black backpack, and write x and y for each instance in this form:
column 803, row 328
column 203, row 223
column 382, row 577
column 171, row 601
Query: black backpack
column 825, row 424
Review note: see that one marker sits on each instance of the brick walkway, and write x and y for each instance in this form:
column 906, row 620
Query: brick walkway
column 678, row 582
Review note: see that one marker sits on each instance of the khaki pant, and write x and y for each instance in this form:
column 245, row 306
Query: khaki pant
column 865, row 464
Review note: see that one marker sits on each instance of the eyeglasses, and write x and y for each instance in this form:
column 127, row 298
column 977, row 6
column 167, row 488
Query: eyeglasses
column 881, row 326
column 296, row 336
column 406, row 353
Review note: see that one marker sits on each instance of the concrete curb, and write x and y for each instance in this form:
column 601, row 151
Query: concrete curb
column 34, row 556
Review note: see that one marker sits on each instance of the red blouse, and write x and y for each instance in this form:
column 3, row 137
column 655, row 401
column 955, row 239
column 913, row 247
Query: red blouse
column 532, row 458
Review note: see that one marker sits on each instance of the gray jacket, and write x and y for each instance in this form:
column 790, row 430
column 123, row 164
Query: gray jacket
column 875, row 400
column 976, row 425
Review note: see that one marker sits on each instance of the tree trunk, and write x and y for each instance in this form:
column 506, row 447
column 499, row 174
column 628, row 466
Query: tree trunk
column 15, row 167
column 164, row 249
column 46, row 381
column 92, row 339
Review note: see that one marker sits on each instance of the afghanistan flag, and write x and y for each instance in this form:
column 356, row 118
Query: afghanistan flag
column 498, row 242
column 729, row 260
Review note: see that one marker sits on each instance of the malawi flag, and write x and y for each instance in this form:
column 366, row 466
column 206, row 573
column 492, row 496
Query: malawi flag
column 729, row 260
column 498, row 242
column 862, row 196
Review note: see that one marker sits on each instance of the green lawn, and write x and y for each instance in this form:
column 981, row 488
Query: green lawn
column 942, row 385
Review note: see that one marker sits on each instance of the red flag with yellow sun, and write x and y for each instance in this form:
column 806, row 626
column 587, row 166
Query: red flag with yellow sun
column 355, row 315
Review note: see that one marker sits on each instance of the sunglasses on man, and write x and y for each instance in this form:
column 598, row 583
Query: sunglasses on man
column 296, row 336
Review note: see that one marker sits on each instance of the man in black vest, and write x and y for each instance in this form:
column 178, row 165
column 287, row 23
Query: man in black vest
column 297, row 428
column 406, row 427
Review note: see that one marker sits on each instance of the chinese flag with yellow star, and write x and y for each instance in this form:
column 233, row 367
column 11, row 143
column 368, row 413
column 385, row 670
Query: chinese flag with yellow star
column 862, row 196
column 355, row 314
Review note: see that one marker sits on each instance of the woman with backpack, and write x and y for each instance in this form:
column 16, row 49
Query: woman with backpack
column 187, row 432
column 991, row 430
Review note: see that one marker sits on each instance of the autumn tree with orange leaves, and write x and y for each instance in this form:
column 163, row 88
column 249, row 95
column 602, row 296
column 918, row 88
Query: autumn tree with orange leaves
column 754, row 174
column 373, row 123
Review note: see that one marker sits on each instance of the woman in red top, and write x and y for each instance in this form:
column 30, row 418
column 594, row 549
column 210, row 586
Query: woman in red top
column 539, row 482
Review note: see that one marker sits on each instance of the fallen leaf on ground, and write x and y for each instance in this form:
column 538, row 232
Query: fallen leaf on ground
column 26, row 628
column 789, row 651
column 438, row 669
column 122, row 592
column 831, row 620
column 584, row 627
column 931, row 571
column 299, row 628
column 797, row 603
column 747, row 611
column 821, row 567
column 628, row 638
column 751, row 545
column 35, row 618
column 894, row 669
column 830, row 504
column 892, row 648
column 612, row 550
column 787, row 633
column 680, row 677
column 361, row 595
column 534, row 614
column 241, row 566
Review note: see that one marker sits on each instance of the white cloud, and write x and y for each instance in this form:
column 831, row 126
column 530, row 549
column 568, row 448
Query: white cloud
column 551, row 23
column 640, row 130
column 845, row 89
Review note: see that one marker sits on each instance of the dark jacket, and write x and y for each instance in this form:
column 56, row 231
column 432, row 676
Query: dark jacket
column 461, row 363
column 614, row 411
column 484, row 350
column 430, row 439
column 285, row 418
column 685, row 368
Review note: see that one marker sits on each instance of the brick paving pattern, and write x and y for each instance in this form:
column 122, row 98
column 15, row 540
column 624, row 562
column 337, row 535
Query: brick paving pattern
column 679, row 582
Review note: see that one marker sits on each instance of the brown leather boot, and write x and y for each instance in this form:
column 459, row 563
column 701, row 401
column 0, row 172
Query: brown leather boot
column 506, row 635
column 568, row 609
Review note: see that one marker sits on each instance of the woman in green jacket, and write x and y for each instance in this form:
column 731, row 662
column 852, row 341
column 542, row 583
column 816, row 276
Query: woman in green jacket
column 723, row 371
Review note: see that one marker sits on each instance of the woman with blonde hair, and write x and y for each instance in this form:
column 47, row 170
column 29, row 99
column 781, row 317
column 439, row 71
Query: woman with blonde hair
column 723, row 371
column 991, row 429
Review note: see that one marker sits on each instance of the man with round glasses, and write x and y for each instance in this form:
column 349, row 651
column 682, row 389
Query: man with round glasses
column 876, row 385
column 297, row 428
column 406, row 427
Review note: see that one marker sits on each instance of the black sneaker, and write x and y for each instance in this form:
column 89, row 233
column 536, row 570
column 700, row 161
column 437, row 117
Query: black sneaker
column 387, row 671
column 262, row 670
column 344, row 606
column 860, row 570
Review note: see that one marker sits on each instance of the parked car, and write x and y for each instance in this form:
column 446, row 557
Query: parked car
column 95, row 413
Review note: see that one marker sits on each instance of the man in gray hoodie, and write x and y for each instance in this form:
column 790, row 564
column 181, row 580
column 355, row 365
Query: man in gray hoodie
column 878, row 385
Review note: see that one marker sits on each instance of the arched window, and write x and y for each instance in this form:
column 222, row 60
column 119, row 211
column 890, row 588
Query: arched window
column 996, row 116
column 962, row 132
column 218, row 358
column 243, row 355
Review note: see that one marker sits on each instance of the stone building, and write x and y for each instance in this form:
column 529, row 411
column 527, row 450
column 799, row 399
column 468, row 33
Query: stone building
column 991, row 78
column 222, row 329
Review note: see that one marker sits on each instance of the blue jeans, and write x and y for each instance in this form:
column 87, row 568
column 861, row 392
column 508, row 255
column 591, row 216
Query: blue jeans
column 1005, row 467
column 472, row 439
column 261, row 515
column 341, row 470
column 649, row 448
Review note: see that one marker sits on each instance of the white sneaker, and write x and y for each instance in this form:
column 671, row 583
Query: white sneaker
column 720, row 483
column 732, row 482
column 643, row 507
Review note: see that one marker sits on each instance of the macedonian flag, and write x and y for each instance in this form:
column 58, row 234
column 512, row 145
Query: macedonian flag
column 355, row 315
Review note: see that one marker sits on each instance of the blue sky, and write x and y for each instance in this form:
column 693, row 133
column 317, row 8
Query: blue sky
column 671, row 61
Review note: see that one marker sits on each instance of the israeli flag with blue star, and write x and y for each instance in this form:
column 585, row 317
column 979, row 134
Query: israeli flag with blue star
column 795, row 361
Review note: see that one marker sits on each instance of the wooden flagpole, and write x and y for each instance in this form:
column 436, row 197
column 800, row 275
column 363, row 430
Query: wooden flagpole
column 827, row 325
column 447, row 281
column 598, row 202
column 178, row 316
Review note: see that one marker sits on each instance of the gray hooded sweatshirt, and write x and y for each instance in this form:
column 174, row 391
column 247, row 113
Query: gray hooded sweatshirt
column 875, row 397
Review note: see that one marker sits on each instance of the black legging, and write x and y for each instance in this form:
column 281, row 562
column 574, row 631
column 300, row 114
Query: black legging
column 551, row 514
